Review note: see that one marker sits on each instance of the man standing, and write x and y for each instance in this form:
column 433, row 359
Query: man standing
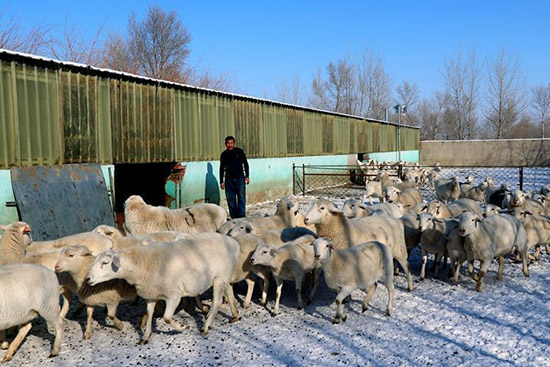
column 233, row 176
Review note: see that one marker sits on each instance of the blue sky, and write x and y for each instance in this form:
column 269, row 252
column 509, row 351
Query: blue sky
column 259, row 42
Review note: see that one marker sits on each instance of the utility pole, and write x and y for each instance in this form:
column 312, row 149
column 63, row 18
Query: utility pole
column 399, row 109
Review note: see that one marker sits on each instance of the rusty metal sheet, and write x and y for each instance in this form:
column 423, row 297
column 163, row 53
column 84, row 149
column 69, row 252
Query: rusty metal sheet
column 61, row 200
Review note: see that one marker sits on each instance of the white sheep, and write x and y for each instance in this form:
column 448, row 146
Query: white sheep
column 476, row 193
column 466, row 186
column 353, row 208
column 432, row 241
column 28, row 291
column 373, row 189
column 13, row 242
column 344, row 232
column 141, row 218
column 230, row 224
column 455, row 247
column 410, row 226
column 95, row 242
column 407, row 197
column 76, row 261
column 359, row 267
column 453, row 209
column 387, row 182
column 521, row 199
column 274, row 237
column 244, row 269
column 492, row 237
column 490, row 210
column 447, row 189
column 120, row 241
column 537, row 228
column 289, row 262
column 172, row 270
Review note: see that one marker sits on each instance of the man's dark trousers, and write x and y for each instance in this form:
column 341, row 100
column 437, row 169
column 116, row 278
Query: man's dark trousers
column 235, row 192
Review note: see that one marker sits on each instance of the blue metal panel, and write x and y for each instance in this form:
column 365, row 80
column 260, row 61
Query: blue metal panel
column 61, row 200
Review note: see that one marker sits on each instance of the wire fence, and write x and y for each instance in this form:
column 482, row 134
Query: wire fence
column 349, row 181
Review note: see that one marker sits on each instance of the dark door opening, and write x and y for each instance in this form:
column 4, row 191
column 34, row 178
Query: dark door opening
column 144, row 179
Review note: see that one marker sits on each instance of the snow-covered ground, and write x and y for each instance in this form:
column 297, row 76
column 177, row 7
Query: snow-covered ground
column 437, row 324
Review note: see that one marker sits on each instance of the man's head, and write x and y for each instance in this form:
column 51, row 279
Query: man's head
column 229, row 142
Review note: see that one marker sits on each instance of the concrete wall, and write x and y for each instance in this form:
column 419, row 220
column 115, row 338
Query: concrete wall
column 488, row 153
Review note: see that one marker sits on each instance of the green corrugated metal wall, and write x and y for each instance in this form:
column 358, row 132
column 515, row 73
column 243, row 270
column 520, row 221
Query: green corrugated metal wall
column 51, row 113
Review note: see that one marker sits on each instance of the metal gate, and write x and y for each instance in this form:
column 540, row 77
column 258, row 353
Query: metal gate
column 61, row 200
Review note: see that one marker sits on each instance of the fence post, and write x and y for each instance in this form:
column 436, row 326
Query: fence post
column 303, row 179
column 521, row 178
column 400, row 171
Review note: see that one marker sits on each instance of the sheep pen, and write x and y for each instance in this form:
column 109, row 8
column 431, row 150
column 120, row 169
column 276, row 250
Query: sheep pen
column 438, row 323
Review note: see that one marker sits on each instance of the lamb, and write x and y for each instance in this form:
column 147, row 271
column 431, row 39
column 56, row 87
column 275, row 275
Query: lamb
column 355, row 209
column 358, row 267
column 537, row 228
column 230, row 224
column 141, row 218
column 491, row 238
column 455, row 247
column 410, row 226
column 466, row 186
column 95, row 242
column 121, row 241
column 407, row 197
column 289, row 262
column 171, row 270
column 76, row 261
column 453, row 209
column 28, row 291
column 490, row 210
column 343, row 232
column 13, row 242
column 476, row 193
column 244, row 267
column 373, row 188
column 521, row 200
column 432, row 241
column 447, row 189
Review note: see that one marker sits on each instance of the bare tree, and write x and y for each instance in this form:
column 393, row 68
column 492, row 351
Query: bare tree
column 159, row 44
column 14, row 37
column 116, row 55
column 431, row 114
column 407, row 94
column 291, row 92
column 462, row 77
column 541, row 104
column 354, row 87
column 506, row 95
column 70, row 45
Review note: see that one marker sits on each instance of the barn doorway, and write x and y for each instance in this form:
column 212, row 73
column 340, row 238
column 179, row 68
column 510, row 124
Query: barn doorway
column 144, row 179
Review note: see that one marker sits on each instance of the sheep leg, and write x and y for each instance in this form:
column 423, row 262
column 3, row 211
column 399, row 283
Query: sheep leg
column 370, row 293
column 23, row 330
column 89, row 314
column 171, row 305
column 204, row 308
column 405, row 265
column 456, row 274
column 232, row 302
column 67, row 296
column 249, row 291
column 218, row 287
column 57, row 321
column 424, row 261
column 437, row 263
column 3, row 340
column 547, row 248
column 340, row 313
column 538, row 249
column 265, row 288
column 298, row 288
column 279, row 283
column 149, row 323
column 316, row 274
column 482, row 272
column 500, row 267
column 525, row 262
column 391, row 293
column 111, row 313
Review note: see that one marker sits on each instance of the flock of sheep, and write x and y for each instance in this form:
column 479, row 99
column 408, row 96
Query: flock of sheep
column 170, row 254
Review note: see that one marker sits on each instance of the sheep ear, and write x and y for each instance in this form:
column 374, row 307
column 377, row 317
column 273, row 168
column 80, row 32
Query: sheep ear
column 249, row 228
column 526, row 213
column 334, row 210
column 362, row 206
column 478, row 219
column 438, row 220
column 289, row 205
column 424, row 208
column 115, row 263
column 86, row 252
column 2, row 227
column 273, row 252
column 108, row 232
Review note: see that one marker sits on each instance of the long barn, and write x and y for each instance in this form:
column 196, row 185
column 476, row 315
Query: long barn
column 58, row 113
